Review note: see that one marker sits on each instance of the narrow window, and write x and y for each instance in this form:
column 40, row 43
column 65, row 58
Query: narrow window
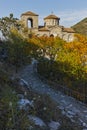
column 30, row 23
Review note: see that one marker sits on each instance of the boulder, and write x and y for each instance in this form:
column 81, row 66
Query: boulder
column 25, row 104
column 37, row 121
column 53, row 125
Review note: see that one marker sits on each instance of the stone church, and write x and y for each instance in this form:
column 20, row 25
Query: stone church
column 51, row 26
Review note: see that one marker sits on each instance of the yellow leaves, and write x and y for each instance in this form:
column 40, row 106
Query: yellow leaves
column 14, row 30
column 80, row 38
column 35, row 41
column 79, row 45
column 42, row 41
column 46, row 41
column 69, row 57
column 74, row 57
column 15, row 34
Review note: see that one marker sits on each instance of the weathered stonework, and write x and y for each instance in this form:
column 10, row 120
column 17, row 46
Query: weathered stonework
column 51, row 26
column 32, row 17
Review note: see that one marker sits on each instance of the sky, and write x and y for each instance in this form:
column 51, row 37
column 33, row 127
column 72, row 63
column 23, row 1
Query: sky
column 69, row 11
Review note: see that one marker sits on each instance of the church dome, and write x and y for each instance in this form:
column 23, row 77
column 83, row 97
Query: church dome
column 51, row 17
column 51, row 20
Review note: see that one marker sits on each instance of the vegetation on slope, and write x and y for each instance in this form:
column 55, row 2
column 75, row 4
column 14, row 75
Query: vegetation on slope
column 12, row 117
column 58, row 61
column 81, row 27
column 62, row 62
column 69, row 67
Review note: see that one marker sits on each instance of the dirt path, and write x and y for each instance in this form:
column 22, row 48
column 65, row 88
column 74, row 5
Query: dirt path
column 70, row 107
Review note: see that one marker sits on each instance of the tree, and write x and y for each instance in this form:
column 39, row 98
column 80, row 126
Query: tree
column 6, row 23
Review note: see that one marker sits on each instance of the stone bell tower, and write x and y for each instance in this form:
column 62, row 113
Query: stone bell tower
column 30, row 20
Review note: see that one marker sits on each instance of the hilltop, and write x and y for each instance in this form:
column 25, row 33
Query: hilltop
column 81, row 27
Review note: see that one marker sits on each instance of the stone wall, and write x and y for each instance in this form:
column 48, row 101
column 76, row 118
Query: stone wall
column 51, row 22
column 43, row 33
column 51, row 27
column 34, row 19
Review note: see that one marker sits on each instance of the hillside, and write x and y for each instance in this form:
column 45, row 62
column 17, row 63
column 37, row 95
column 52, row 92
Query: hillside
column 27, row 103
column 81, row 27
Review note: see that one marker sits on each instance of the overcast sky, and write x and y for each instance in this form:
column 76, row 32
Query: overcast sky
column 69, row 11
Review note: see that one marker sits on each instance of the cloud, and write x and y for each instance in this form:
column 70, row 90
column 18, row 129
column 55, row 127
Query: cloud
column 71, row 17
column 68, row 17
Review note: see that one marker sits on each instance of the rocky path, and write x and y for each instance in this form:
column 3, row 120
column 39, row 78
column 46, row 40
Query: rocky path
column 70, row 107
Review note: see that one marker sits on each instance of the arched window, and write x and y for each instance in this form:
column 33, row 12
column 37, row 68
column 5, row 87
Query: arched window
column 64, row 37
column 51, row 35
column 30, row 23
column 70, row 38
column 44, row 35
column 44, row 23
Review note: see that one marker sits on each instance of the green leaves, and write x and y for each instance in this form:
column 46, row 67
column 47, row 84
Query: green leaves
column 6, row 23
column 70, row 65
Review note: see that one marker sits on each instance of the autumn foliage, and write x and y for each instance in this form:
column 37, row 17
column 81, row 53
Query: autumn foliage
column 59, row 61
column 69, row 67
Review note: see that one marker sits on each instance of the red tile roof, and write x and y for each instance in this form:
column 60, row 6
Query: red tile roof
column 43, row 29
column 30, row 13
column 69, row 30
column 51, row 17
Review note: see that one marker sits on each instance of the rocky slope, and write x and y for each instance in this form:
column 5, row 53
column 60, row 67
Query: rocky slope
column 71, row 108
